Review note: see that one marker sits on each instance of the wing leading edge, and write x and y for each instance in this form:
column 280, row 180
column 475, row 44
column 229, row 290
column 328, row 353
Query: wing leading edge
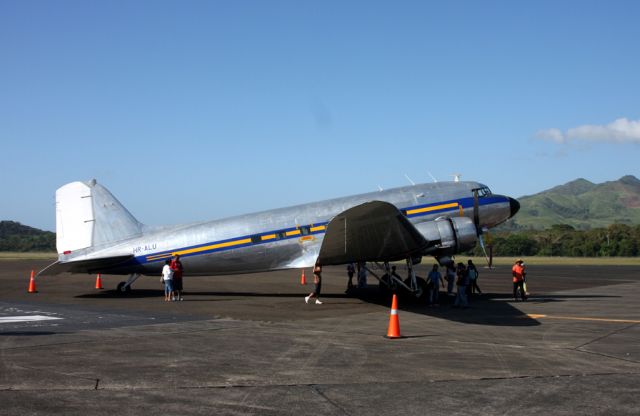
column 373, row 231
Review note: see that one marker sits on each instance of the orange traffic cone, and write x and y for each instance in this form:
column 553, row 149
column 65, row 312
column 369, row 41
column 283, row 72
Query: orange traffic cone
column 98, row 282
column 32, row 283
column 394, row 322
column 303, row 280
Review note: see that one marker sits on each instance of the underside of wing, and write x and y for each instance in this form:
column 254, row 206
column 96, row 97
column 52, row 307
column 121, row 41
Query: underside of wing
column 85, row 266
column 373, row 231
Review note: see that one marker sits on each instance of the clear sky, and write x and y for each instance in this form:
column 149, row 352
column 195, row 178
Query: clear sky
column 197, row 110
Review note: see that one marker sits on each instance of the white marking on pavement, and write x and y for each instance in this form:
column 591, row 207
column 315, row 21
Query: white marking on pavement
column 25, row 318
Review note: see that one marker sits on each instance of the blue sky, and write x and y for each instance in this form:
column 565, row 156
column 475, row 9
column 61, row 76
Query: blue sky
column 198, row 110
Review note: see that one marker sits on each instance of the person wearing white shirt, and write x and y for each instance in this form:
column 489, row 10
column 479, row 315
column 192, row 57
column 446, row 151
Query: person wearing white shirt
column 167, row 278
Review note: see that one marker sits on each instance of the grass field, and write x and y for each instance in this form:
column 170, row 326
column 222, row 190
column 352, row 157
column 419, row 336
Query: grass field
column 498, row 261
column 559, row 261
column 8, row 255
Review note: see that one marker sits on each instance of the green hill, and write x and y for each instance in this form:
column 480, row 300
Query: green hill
column 581, row 204
column 17, row 237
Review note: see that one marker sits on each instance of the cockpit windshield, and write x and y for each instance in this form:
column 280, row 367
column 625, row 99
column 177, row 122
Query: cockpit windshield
column 484, row 191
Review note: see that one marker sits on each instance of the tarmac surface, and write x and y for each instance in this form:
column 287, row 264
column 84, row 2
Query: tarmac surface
column 248, row 344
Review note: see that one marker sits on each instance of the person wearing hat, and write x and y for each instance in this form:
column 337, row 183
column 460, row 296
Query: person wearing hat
column 518, row 279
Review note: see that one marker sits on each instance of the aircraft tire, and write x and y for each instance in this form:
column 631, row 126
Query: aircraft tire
column 423, row 292
column 122, row 289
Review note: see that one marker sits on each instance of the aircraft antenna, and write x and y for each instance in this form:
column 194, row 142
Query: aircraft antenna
column 380, row 188
column 456, row 177
column 409, row 179
column 432, row 177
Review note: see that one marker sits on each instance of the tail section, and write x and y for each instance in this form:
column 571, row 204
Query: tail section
column 88, row 215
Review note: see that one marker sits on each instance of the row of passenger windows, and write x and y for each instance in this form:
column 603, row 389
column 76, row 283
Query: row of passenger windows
column 303, row 230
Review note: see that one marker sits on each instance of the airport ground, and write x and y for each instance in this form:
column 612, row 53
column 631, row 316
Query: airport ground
column 248, row 344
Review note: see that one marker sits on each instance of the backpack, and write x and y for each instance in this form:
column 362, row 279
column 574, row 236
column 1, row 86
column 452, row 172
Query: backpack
column 473, row 274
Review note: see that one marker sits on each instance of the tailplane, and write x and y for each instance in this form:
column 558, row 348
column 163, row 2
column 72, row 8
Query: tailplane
column 89, row 216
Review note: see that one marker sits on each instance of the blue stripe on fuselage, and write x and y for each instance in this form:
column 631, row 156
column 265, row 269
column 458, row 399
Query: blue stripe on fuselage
column 281, row 233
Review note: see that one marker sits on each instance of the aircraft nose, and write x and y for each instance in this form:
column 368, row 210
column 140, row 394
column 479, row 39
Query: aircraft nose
column 514, row 205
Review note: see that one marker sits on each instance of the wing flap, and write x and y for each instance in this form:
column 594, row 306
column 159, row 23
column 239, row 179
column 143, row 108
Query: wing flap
column 373, row 231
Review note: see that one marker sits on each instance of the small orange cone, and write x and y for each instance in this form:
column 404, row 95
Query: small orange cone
column 303, row 280
column 394, row 322
column 32, row 283
column 98, row 282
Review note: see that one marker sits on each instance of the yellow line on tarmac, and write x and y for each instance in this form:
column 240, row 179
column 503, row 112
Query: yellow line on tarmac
column 578, row 318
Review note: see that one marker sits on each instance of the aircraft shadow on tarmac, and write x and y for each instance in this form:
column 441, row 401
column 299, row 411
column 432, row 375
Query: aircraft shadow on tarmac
column 29, row 333
column 495, row 309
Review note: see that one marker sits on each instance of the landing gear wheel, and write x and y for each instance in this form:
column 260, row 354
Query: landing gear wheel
column 122, row 289
column 420, row 293
column 423, row 291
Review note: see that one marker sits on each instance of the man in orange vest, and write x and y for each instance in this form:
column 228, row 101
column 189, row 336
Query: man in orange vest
column 518, row 280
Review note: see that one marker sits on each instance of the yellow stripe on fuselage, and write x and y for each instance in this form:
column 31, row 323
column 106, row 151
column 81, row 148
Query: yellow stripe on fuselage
column 294, row 232
column 433, row 208
column 318, row 228
column 159, row 256
column 213, row 246
column 268, row 237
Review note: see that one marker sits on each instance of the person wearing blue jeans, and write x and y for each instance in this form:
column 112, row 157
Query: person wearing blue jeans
column 167, row 279
column 462, row 282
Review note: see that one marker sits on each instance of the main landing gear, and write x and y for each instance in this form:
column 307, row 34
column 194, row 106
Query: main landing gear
column 391, row 282
column 125, row 287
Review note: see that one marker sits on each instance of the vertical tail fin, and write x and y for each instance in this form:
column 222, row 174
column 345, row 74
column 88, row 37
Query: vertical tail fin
column 88, row 215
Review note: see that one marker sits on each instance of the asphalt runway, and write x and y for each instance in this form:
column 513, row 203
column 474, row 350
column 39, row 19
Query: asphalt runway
column 248, row 344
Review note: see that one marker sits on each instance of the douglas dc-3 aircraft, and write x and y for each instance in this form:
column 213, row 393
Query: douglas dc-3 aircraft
column 96, row 234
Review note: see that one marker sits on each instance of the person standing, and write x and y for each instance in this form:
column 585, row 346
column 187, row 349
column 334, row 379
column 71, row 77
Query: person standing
column 167, row 278
column 517, row 271
column 436, row 279
column 473, row 277
column 317, row 279
column 524, row 278
column 362, row 276
column 351, row 269
column 451, row 278
column 462, row 282
column 176, row 266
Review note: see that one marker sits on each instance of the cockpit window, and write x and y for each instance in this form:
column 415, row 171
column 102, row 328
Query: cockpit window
column 484, row 191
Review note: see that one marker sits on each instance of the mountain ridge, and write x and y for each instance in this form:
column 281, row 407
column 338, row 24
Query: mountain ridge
column 18, row 237
column 581, row 204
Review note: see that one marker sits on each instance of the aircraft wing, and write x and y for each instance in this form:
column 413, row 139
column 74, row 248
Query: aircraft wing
column 85, row 266
column 373, row 231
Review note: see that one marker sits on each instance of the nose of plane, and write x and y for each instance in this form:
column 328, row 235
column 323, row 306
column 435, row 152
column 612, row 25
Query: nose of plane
column 514, row 205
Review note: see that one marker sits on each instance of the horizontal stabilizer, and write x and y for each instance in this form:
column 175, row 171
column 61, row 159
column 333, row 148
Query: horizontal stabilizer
column 373, row 231
column 85, row 266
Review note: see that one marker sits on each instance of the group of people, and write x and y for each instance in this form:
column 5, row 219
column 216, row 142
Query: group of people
column 460, row 276
column 361, row 276
column 172, row 279
column 465, row 278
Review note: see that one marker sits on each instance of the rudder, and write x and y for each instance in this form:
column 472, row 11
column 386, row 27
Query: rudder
column 88, row 215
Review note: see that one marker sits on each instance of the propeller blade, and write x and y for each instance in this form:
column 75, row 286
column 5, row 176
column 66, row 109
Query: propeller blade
column 476, row 212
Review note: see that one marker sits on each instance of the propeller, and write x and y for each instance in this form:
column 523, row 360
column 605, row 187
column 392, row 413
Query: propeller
column 476, row 222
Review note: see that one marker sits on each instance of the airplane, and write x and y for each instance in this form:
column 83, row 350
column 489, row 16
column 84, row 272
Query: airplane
column 96, row 233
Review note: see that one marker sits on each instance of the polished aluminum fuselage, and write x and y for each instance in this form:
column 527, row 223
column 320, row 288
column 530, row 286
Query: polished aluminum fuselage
column 245, row 243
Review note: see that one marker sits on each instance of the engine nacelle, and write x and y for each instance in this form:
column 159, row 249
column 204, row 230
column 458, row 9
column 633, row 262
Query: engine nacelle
column 448, row 236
